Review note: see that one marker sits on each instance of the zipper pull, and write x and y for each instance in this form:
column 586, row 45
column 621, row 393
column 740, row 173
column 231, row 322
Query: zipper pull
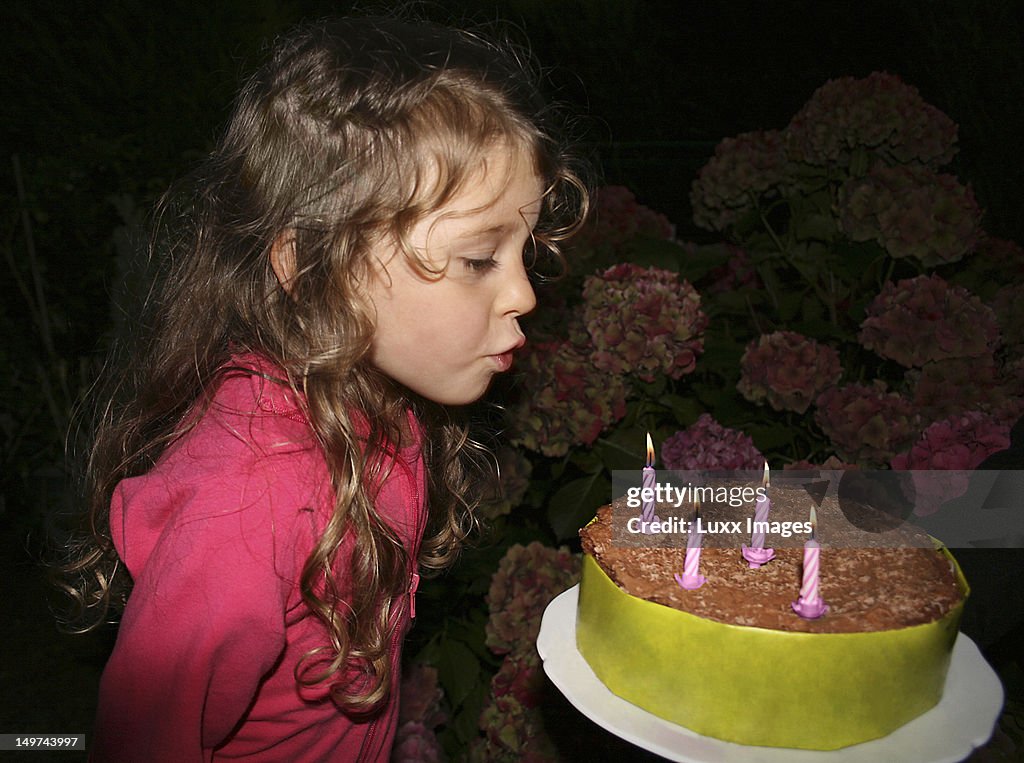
column 413, row 586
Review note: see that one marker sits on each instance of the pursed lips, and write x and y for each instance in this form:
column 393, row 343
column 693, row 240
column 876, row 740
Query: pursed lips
column 504, row 359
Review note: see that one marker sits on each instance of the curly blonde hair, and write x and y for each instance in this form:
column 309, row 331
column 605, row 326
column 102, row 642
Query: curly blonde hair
column 353, row 130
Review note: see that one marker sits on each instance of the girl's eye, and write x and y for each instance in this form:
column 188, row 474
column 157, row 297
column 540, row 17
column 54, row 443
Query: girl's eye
column 480, row 265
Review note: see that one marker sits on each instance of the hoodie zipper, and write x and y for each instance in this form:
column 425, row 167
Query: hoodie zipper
column 366, row 749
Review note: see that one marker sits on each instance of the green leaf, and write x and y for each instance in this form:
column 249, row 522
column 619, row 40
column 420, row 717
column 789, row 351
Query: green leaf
column 812, row 310
column 458, row 670
column 684, row 409
column 722, row 353
column 650, row 252
column 853, row 262
column 465, row 725
column 770, row 437
column 714, row 396
column 816, row 226
column 697, row 264
column 789, row 305
column 738, row 302
column 470, row 632
column 623, row 448
column 575, row 504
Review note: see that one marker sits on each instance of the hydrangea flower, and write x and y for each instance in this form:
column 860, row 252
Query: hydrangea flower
column 616, row 217
column 527, row 579
column 707, row 445
column 415, row 743
column 911, row 212
column 738, row 273
column 742, row 169
column 866, row 424
column 957, row 443
column 512, row 734
column 1008, row 306
column 566, row 402
column 879, row 115
column 945, row 387
column 924, row 319
column 1009, row 405
column 643, row 321
column 999, row 257
column 788, row 370
column 420, row 697
column 514, row 470
column 419, row 714
column 521, row 675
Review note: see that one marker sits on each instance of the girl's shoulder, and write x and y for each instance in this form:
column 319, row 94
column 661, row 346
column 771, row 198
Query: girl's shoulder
column 249, row 429
column 253, row 403
column 253, row 384
column 248, row 468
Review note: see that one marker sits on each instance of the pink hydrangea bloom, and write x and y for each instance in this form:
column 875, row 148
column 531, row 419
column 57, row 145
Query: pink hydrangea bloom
column 420, row 697
column 924, row 319
column 522, row 676
column 616, row 217
column 707, row 445
column 643, row 321
column 514, row 470
column 788, row 370
column 527, row 579
column 511, row 734
column 1008, row 306
column 738, row 273
column 741, row 169
column 911, row 212
column 878, row 115
column 1009, row 405
column 999, row 257
column 415, row 743
column 866, row 424
column 566, row 401
column 959, row 443
column 944, row 387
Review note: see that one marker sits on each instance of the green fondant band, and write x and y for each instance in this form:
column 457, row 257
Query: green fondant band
column 756, row 686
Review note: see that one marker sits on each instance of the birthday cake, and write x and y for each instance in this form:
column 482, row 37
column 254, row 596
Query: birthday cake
column 733, row 659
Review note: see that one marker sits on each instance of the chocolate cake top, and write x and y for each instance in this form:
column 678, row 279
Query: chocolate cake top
column 870, row 581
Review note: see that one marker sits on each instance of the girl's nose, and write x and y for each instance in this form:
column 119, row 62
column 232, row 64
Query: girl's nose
column 517, row 296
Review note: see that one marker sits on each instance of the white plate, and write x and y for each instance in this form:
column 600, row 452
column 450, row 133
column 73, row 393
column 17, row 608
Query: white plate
column 963, row 719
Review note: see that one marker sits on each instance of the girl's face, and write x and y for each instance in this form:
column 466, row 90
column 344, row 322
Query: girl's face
column 445, row 337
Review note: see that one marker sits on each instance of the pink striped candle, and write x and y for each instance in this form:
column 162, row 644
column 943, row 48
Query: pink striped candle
column 756, row 554
column 650, row 477
column 810, row 606
column 691, row 577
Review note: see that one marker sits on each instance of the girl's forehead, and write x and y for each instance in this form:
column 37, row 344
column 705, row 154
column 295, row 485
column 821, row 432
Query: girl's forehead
column 505, row 180
column 505, row 200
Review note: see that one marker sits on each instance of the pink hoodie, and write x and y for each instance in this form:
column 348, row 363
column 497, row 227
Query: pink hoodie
column 215, row 537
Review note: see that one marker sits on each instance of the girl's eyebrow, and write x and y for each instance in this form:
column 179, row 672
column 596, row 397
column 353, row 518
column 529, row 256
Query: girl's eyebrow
column 499, row 229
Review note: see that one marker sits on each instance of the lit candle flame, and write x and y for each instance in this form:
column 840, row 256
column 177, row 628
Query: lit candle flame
column 650, row 450
column 766, row 480
column 814, row 524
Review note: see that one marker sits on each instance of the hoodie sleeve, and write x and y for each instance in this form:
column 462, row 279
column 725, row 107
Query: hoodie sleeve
column 214, row 550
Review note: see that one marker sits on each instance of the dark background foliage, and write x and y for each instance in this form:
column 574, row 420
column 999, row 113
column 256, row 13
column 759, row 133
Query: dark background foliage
column 104, row 104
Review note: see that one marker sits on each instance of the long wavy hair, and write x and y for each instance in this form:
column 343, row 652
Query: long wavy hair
column 350, row 133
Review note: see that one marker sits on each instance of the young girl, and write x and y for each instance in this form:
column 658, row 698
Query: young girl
column 289, row 450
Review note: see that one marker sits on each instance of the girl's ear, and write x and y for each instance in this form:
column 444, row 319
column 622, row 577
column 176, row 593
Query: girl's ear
column 282, row 258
